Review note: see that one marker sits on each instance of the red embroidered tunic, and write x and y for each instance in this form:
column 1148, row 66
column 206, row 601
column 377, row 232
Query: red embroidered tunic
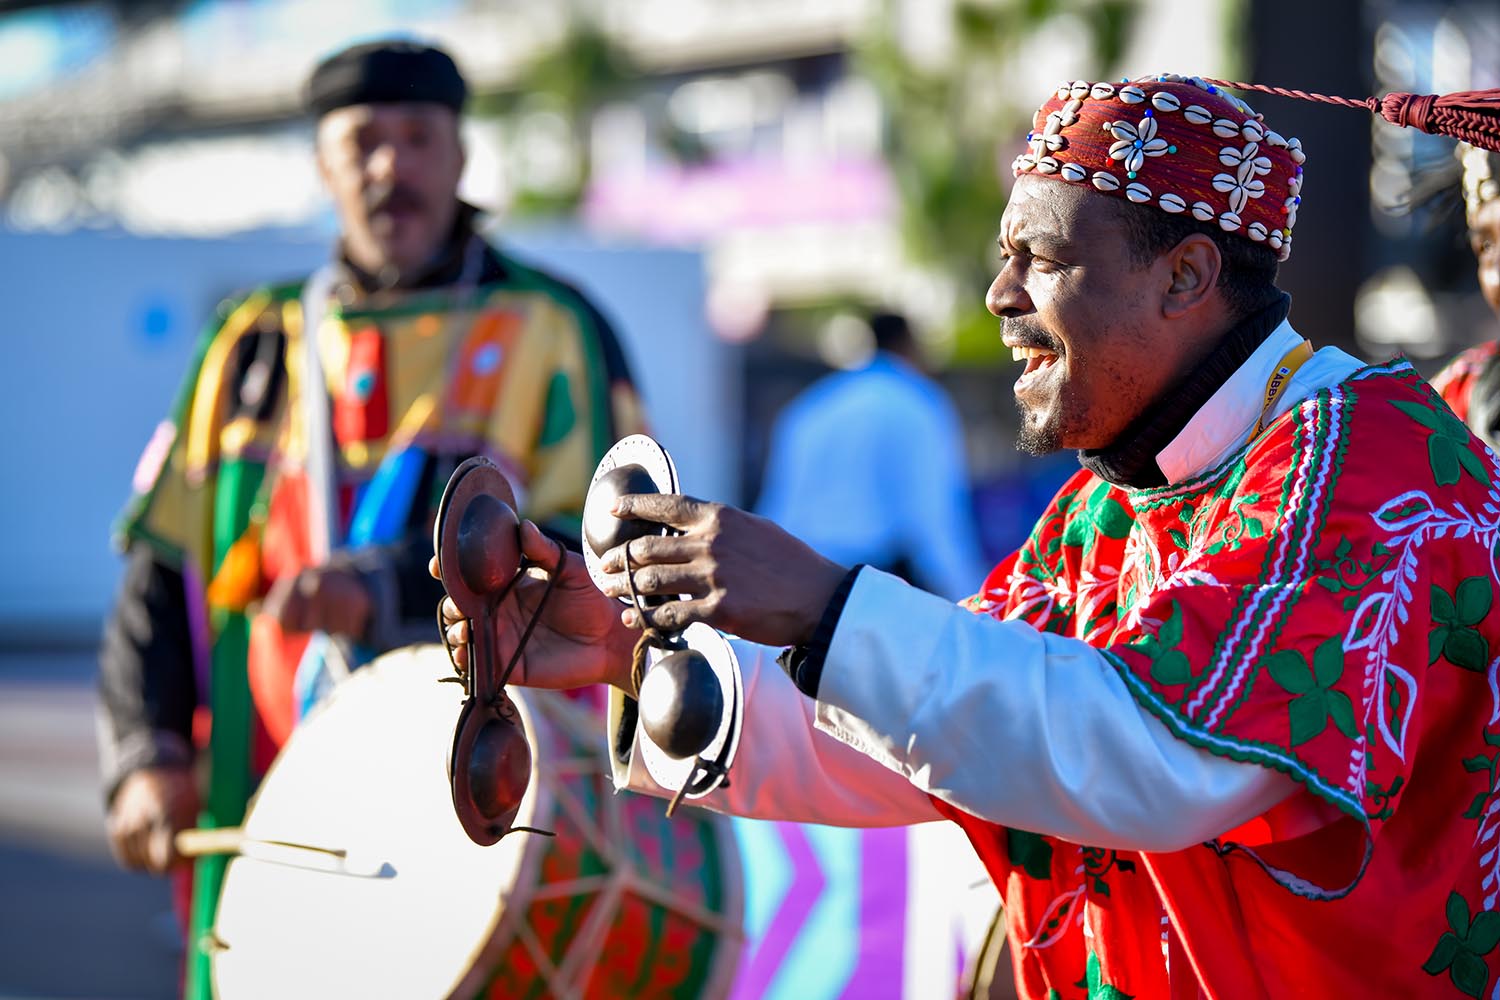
column 1455, row 383
column 1319, row 604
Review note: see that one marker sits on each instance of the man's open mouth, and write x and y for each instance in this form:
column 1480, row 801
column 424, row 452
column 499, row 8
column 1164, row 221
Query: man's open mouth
column 1036, row 358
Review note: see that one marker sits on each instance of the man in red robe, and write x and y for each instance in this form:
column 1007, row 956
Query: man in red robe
column 1471, row 382
column 1227, row 724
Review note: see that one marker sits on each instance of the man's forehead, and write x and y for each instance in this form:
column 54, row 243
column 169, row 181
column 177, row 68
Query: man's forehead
column 1039, row 207
column 354, row 116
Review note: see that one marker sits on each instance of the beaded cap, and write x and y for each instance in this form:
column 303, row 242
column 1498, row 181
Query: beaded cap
column 1179, row 144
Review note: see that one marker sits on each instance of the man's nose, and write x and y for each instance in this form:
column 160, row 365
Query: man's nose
column 1007, row 295
column 383, row 162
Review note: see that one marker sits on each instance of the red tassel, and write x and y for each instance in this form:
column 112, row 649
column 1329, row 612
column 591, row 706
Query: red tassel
column 1470, row 115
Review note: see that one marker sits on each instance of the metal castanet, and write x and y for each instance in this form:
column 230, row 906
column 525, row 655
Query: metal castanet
column 689, row 695
column 478, row 545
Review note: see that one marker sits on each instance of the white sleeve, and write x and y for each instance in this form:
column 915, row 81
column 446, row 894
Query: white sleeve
column 1022, row 728
column 786, row 769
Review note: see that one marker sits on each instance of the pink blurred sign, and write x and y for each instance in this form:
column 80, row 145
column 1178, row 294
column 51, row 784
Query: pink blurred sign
column 674, row 204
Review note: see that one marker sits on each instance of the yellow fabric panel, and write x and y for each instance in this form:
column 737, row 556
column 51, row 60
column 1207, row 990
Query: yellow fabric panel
column 556, row 486
column 180, row 507
column 517, row 418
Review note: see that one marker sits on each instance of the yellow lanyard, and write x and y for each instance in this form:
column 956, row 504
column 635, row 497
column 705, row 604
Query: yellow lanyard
column 1279, row 378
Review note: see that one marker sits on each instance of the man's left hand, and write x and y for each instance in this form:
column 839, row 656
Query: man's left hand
column 728, row 568
column 320, row 599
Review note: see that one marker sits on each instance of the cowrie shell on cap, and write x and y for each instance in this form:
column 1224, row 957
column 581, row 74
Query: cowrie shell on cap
column 1173, row 203
column 1106, row 181
column 1253, row 130
column 1226, row 129
column 1131, row 94
column 1229, row 222
column 1073, row 172
column 1257, row 231
column 1102, row 91
column 1197, row 114
column 1203, row 211
column 1165, row 100
column 1138, row 192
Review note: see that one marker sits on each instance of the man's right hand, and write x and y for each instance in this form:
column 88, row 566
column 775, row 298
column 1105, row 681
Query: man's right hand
column 580, row 639
column 149, row 808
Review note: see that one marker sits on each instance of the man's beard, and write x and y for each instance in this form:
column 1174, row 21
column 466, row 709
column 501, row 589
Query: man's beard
column 1040, row 440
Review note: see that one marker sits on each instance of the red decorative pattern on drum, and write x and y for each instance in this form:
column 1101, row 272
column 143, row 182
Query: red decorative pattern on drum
column 627, row 903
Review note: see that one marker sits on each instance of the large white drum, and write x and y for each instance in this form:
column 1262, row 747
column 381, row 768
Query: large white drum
column 356, row 880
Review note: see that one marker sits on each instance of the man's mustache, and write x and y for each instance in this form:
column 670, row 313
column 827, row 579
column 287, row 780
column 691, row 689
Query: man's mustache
column 1028, row 334
column 392, row 198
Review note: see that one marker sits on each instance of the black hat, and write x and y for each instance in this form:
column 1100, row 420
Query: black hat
column 385, row 72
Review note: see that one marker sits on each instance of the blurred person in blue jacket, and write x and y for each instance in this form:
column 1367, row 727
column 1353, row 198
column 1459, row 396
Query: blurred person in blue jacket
column 867, row 466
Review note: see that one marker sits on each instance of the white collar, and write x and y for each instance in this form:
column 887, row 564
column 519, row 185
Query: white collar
column 1224, row 423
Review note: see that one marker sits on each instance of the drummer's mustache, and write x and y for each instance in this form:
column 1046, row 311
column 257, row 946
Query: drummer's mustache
column 393, row 196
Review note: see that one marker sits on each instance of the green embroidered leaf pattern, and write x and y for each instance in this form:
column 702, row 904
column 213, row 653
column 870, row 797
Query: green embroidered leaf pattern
column 1169, row 665
column 1341, row 711
column 1455, row 636
column 1472, row 600
column 1442, row 955
column 1316, row 701
column 1289, row 669
column 1309, row 715
column 1448, row 447
column 1484, row 933
column 1460, row 951
column 1029, row 852
column 1102, row 515
column 1098, row 989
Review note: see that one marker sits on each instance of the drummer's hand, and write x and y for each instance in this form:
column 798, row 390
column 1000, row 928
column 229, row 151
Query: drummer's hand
column 149, row 807
column 580, row 639
column 741, row 573
column 320, row 599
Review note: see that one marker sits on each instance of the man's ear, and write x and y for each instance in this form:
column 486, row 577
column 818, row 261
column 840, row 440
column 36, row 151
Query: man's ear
column 320, row 156
column 1195, row 265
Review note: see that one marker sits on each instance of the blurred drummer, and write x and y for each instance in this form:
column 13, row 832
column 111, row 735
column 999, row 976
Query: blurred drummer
column 278, row 536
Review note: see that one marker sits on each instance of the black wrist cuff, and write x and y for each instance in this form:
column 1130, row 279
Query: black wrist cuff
column 804, row 663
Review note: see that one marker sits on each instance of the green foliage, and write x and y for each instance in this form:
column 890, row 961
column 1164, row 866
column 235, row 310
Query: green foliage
column 953, row 130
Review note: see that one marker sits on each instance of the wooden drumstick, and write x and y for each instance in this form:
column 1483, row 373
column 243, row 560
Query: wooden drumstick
column 232, row 840
column 201, row 842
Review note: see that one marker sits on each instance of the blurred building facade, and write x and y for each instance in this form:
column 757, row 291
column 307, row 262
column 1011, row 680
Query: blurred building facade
column 821, row 156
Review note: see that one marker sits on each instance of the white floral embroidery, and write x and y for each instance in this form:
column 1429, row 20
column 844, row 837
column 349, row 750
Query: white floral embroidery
column 1135, row 143
column 1244, row 183
column 1408, row 522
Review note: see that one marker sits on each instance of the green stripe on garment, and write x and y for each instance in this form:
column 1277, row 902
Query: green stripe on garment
column 230, row 782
